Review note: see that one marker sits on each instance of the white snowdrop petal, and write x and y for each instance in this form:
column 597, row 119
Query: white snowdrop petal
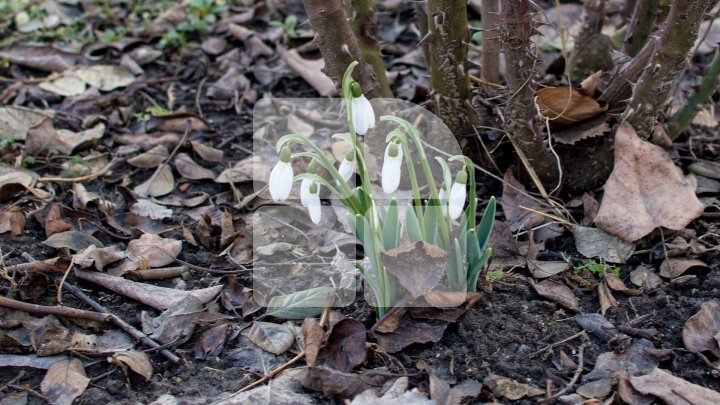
column 369, row 113
column 391, row 171
column 457, row 200
column 442, row 196
column 281, row 179
column 359, row 117
column 346, row 169
column 315, row 207
column 305, row 192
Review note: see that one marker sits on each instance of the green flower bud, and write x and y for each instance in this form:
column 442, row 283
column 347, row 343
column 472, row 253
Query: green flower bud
column 356, row 89
column 462, row 177
column 285, row 154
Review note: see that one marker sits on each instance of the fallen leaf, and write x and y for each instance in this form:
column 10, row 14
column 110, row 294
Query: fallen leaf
column 16, row 121
column 391, row 323
column 397, row 393
column 345, row 346
column 191, row 170
column 418, row 267
column 596, row 389
column 41, row 57
column 66, row 85
column 166, row 20
column 295, row 125
column 596, row 243
column 645, row 190
column 411, row 331
column 72, row 240
column 673, row 390
column 12, row 220
column 271, row 337
column 155, row 251
column 701, row 330
column 137, row 361
column 565, row 106
column 635, row 359
column 557, row 292
column 606, row 298
column 160, row 183
column 53, row 223
column 47, row 336
column 176, row 324
column 301, row 304
column 310, row 70
column 646, row 278
column 212, row 341
column 45, row 138
column 96, row 257
column 337, row 383
column 509, row 388
column 64, row 381
column 105, row 77
column 147, row 208
column 208, row 153
column 514, row 198
column 150, row 159
column 590, row 83
column 160, row 298
column 540, row 269
column 313, row 336
column 674, row 267
column 615, row 283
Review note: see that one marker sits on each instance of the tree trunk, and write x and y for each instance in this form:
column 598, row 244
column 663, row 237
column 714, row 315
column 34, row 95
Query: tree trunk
column 338, row 45
column 490, row 54
column 640, row 26
column 666, row 65
column 449, row 35
column 521, row 121
column 365, row 25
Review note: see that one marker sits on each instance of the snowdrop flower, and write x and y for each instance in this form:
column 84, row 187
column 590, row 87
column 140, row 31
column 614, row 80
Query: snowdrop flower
column 305, row 184
column 442, row 196
column 346, row 168
column 363, row 116
column 458, row 193
column 392, row 165
column 313, row 205
column 281, row 177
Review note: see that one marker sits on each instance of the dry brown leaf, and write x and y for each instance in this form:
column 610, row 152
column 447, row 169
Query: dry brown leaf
column 207, row 153
column 593, row 242
column 310, row 70
column 16, row 121
column 271, row 337
column 557, row 292
column 345, row 346
column 99, row 257
column 154, row 250
column 606, row 298
column 191, row 170
column 673, row 267
column 176, row 324
column 590, row 83
column 150, row 159
column 137, row 361
column 673, row 390
column 160, row 183
column 700, row 331
column 411, row 331
column 590, row 128
column 645, row 277
column 212, row 341
column 391, row 323
column 313, row 336
column 418, row 267
column 509, row 388
column 64, row 381
column 13, row 221
column 565, row 106
column 615, row 283
column 645, row 190
column 53, row 223
column 540, row 269
column 147, row 208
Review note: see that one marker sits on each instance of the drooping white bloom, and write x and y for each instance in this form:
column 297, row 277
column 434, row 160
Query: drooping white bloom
column 305, row 184
column 458, row 193
column 363, row 116
column 442, row 196
column 314, row 206
column 305, row 191
column 347, row 168
column 281, row 177
column 392, row 168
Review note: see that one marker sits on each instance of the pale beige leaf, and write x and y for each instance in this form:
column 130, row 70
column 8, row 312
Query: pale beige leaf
column 154, row 250
column 208, row 153
column 645, row 190
column 673, row 390
column 700, row 331
column 105, row 77
column 16, row 121
column 137, row 361
column 150, row 159
column 160, row 183
column 64, row 381
column 191, row 170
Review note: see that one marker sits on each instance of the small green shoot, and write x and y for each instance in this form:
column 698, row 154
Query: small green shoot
column 598, row 268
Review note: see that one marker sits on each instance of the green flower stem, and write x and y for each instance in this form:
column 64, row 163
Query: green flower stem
column 412, row 132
